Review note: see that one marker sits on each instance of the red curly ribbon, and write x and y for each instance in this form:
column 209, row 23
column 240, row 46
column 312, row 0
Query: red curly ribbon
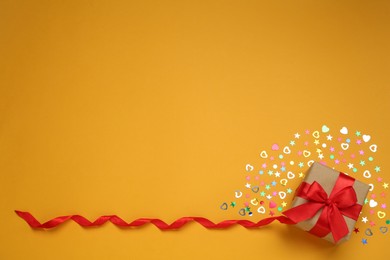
column 341, row 202
column 177, row 224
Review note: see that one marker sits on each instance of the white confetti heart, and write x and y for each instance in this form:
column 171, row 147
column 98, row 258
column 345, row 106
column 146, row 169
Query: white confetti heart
column 282, row 195
column 373, row 203
column 309, row 163
column 344, row 146
column 261, row 210
column 373, row 148
column 290, row 175
column 238, row 194
column 286, row 150
column 263, row 154
column 325, row 129
column 366, row 138
column 249, row 168
column 367, row 174
column 344, row 130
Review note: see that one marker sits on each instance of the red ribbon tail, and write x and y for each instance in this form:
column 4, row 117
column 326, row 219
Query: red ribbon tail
column 177, row 224
column 28, row 218
column 337, row 224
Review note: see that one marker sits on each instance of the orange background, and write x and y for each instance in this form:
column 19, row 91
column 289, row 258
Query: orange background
column 153, row 108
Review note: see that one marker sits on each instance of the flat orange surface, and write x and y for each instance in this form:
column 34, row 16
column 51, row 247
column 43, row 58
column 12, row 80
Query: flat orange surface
column 153, row 108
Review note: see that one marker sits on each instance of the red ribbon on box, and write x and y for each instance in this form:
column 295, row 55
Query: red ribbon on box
column 341, row 202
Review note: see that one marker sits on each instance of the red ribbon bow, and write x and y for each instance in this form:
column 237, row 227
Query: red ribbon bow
column 341, row 202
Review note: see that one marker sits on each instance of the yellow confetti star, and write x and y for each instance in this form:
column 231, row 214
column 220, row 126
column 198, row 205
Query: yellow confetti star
column 385, row 185
column 301, row 175
column 316, row 142
column 284, row 204
column 319, row 150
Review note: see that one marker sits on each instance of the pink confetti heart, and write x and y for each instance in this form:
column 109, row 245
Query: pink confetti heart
column 275, row 147
column 272, row 204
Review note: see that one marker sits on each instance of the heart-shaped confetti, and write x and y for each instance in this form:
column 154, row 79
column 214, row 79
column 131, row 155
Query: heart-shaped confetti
column 344, row 146
column 275, row 147
column 373, row 203
column 306, row 153
column 242, row 212
column 383, row 230
column 282, row 194
column 272, row 204
column 368, row 232
column 290, row 175
column 264, row 154
column 224, row 206
column 366, row 138
column 286, row 150
column 325, row 129
column 249, row 168
column 283, row 182
column 381, row 214
column 261, row 210
column 367, row 174
column 344, row 130
column 309, row 163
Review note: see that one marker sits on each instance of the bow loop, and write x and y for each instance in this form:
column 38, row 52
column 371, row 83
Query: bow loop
column 345, row 198
column 316, row 193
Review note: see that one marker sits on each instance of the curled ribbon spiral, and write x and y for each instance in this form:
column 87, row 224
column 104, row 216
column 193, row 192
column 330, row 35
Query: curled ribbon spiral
column 177, row 224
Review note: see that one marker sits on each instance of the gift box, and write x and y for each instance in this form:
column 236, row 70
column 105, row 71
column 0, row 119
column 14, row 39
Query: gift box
column 327, row 203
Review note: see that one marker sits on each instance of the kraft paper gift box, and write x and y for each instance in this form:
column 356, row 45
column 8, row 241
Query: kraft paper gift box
column 335, row 184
